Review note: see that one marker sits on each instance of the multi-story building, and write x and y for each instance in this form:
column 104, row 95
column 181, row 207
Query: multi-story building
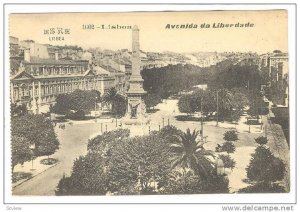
column 276, row 67
column 36, row 49
column 40, row 80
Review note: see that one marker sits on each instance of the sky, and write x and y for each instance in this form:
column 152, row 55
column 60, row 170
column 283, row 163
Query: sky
column 268, row 33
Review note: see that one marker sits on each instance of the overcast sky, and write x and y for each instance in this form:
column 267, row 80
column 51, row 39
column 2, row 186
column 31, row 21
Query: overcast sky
column 269, row 31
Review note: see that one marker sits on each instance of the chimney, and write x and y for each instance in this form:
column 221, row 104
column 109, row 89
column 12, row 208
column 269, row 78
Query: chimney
column 56, row 55
column 27, row 55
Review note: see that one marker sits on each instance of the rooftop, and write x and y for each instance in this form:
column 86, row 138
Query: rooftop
column 49, row 61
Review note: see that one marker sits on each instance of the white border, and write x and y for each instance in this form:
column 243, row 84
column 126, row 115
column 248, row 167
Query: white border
column 216, row 198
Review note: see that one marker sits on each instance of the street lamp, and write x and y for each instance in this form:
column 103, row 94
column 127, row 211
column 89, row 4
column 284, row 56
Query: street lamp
column 32, row 148
column 95, row 107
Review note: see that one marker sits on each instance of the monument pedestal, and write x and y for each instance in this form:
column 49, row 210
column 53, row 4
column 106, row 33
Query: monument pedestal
column 138, row 121
column 136, row 109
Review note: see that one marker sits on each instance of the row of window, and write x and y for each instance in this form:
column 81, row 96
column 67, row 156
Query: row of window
column 57, row 70
column 23, row 91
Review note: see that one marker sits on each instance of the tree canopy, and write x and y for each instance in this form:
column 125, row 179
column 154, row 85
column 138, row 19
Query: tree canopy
column 37, row 130
column 117, row 101
column 123, row 165
column 151, row 100
column 78, row 100
column 20, row 150
column 264, row 166
column 230, row 103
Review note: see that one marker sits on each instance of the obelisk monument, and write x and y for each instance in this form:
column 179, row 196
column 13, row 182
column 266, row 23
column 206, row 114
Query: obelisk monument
column 136, row 107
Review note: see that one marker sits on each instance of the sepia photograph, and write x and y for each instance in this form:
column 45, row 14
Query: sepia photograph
column 150, row 104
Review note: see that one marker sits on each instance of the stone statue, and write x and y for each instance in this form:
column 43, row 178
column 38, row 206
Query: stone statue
column 133, row 110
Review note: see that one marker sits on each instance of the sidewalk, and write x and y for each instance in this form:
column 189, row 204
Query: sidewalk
column 34, row 168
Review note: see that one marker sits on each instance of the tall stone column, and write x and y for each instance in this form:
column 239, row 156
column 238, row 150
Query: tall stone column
column 136, row 106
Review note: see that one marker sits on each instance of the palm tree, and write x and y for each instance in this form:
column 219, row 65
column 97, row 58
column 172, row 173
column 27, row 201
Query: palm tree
column 114, row 98
column 110, row 95
column 190, row 153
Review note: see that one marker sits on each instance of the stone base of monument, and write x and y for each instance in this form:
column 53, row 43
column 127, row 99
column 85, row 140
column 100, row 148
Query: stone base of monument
column 141, row 120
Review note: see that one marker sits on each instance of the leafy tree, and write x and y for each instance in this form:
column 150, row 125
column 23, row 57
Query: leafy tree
column 139, row 163
column 265, row 167
column 79, row 100
column 228, row 161
column 185, row 181
column 263, row 172
column 62, row 105
column 230, row 103
column 117, row 101
column 172, row 79
column 235, row 116
column 20, row 150
column 119, row 106
column 263, row 188
column 103, row 144
column 227, row 146
column 184, row 104
column 203, row 101
column 231, row 135
column 224, row 102
column 257, row 104
column 168, row 132
column 237, row 76
column 38, row 130
column 190, row 153
column 151, row 100
column 182, row 181
column 261, row 140
column 240, row 99
column 198, row 101
column 18, row 110
column 88, row 177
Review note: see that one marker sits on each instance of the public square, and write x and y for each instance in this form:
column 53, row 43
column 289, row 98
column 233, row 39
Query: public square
column 74, row 139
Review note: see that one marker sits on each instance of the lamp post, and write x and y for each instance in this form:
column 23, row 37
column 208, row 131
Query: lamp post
column 201, row 119
column 32, row 148
column 95, row 107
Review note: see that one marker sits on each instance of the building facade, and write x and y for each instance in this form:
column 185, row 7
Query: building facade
column 276, row 66
column 39, row 81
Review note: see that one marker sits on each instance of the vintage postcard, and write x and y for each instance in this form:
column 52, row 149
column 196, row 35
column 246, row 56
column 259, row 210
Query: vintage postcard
column 149, row 103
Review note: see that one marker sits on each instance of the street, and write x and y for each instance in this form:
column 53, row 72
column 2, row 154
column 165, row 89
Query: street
column 73, row 141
